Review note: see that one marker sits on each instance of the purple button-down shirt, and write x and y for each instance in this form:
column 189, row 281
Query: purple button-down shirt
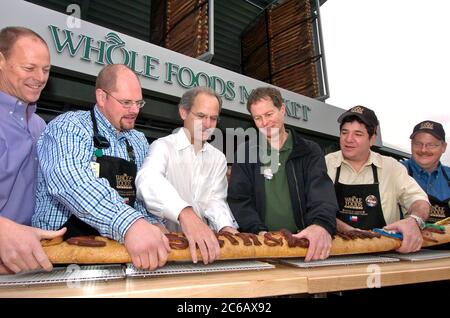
column 18, row 159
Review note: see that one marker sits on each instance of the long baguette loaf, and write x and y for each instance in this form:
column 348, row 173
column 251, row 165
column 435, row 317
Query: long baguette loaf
column 241, row 246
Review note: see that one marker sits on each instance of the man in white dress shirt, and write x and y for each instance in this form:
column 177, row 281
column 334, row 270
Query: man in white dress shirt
column 183, row 178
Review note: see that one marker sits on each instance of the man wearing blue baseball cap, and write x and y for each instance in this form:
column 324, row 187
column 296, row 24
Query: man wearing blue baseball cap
column 427, row 147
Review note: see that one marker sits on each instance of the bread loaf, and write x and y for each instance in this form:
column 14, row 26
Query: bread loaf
column 100, row 250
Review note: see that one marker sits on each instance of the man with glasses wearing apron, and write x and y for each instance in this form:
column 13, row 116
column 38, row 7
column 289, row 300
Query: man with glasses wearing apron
column 427, row 147
column 370, row 187
column 88, row 164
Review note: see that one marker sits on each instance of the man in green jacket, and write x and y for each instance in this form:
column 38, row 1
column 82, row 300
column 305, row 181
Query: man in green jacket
column 292, row 191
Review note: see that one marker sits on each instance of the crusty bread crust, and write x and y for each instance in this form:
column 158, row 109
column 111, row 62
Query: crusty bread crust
column 246, row 246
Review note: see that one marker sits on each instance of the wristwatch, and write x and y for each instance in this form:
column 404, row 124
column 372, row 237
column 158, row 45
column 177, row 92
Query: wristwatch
column 419, row 221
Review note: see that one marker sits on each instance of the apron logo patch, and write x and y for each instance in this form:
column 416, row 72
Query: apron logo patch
column 124, row 182
column 371, row 200
column 437, row 211
column 353, row 203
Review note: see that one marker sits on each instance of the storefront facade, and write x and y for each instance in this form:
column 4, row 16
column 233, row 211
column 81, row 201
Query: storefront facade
column 79, row 49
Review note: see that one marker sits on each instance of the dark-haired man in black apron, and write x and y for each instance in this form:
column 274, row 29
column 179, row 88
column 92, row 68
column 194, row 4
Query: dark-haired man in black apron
column 89, row 163
column 370, row 187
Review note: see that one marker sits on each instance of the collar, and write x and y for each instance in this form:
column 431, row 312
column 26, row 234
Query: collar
column 418, row 169
column 183, row 142
column 374, row 158
column 288, row 144
column 104, row 125
column 15, row 105
column 300, row 147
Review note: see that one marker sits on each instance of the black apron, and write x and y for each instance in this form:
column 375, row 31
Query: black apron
column 360, row 204
column 439, row 209
column 120, row 174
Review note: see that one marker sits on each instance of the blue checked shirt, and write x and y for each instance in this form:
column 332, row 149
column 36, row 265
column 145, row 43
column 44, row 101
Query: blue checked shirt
column 67, row 184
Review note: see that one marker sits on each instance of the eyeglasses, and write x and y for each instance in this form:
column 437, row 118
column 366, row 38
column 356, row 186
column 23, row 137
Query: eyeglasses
column 419, row 145
column 127, row 103
column 202, row 116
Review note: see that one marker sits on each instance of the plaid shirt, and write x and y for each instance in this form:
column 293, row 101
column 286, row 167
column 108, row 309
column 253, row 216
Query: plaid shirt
column 67, row 184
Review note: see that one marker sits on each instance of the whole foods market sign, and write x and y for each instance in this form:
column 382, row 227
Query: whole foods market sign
column 113, row 50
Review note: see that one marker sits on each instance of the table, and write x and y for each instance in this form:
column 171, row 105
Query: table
column 283, row 280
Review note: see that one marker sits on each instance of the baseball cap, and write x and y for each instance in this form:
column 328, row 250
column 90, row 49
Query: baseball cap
column 367, row 115
column 430, row 127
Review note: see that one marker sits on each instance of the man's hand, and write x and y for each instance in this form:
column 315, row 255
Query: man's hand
column 319, row 242
column 20, row 247
column 229, row 229
column 162, row 228
column 412, row 236
column 343, row 227
column 199, row 234
column 4, row 270
column 147, row 245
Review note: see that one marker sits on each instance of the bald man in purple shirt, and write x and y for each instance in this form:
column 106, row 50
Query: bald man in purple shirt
column 24, row 71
